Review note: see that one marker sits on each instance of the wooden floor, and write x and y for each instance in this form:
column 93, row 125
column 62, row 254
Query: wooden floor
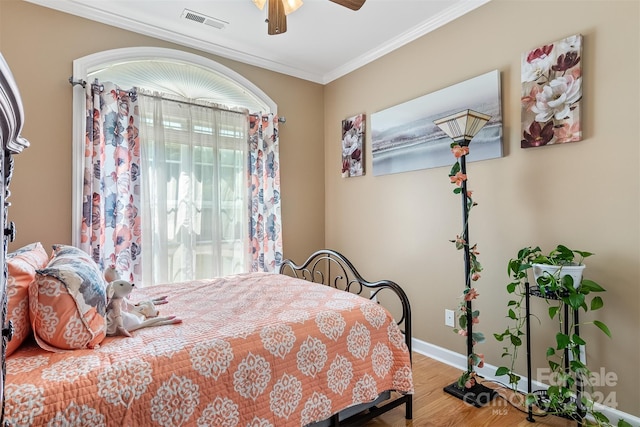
column 434, row 408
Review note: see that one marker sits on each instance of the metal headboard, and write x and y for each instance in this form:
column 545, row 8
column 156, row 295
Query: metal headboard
column 331, row 268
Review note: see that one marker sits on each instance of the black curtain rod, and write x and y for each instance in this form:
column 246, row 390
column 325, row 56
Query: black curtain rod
column 183, row 101
column 97, row 85
column 281, row 119
column 77, row 82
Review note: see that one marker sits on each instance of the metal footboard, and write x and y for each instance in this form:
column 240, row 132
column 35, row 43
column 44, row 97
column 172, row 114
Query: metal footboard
column 331, row 268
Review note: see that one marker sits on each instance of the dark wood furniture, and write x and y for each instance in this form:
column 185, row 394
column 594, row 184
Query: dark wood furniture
column 11, row 120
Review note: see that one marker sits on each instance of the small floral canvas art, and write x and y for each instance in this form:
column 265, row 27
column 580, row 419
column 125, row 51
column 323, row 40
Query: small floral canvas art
column 352, row 143
column 551, row 77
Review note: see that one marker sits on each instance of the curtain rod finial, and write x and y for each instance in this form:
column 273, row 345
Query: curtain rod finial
column 77, row 82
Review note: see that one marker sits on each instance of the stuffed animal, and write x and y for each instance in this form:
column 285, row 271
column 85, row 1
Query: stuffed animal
column 111, row 275
column 123, row 317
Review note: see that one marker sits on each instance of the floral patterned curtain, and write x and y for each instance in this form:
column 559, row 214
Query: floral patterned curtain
column 111, row 195
column 265, row 232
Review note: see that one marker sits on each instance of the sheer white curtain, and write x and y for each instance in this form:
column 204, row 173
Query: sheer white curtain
column 194, row 189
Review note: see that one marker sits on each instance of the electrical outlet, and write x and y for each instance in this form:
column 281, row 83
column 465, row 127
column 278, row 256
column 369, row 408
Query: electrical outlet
column 449, row 318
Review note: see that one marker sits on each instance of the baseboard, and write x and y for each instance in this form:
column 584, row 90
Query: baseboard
column 459, row 361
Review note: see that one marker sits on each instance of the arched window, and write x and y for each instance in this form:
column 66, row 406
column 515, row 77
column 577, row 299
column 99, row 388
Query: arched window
column 196, row 81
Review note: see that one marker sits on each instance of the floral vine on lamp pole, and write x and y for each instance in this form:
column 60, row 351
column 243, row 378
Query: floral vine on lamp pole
column 467, row 317
column 462, row 127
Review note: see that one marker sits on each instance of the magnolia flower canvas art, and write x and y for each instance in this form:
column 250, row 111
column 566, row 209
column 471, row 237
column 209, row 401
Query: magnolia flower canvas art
column 352, row 143
column 551, row 77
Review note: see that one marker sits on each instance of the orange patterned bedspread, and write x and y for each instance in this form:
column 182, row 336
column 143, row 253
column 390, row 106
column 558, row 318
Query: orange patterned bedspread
column 254, row 349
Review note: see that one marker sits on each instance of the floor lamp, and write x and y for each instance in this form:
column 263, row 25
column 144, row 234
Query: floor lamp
column 461, row 127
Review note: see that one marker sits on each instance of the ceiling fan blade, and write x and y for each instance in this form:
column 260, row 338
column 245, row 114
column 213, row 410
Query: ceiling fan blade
column 276, row 17
column 351, row 4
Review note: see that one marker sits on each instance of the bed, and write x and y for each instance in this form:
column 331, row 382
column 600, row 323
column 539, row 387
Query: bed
column 254, row 349
column 309, row 346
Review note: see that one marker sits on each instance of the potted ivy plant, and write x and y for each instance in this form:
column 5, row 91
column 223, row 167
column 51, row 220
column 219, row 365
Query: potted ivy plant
column 558, row 280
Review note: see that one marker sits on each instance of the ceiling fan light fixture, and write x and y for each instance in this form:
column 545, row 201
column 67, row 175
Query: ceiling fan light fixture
column 278, row 10
column 260, row 3
column 290, row 6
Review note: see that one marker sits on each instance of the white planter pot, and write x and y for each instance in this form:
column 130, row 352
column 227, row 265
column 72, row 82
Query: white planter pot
column 559, row 271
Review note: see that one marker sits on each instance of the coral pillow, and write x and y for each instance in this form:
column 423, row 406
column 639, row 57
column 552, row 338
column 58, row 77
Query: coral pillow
column 21, row 268
column 67, row 301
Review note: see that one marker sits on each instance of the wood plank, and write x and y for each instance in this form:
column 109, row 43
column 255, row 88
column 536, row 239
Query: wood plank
column 432, row 407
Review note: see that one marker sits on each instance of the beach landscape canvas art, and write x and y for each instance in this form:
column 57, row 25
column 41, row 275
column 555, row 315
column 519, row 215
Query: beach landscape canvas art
column 551, row 77
column 404, row 137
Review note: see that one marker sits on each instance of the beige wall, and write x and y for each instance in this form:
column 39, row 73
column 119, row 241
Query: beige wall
column 585, row 194
column 40, row 44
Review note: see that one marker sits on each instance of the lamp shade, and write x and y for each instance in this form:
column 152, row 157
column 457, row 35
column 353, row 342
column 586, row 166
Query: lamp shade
column 462, row 126
column 291, row 6
column 260, row 3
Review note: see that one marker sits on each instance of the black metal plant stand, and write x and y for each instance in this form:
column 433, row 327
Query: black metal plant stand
column 537, row 292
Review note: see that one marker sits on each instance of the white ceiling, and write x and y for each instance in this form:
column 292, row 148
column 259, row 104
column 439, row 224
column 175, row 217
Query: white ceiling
column 324, row 41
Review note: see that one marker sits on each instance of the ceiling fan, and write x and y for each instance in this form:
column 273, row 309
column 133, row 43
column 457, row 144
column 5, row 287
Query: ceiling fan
column 278, row 10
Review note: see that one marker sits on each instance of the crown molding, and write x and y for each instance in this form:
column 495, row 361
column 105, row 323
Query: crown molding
column 84, row 10
column 447, row 16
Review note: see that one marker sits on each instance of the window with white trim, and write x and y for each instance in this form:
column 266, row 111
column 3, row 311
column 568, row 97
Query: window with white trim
column 212, row 190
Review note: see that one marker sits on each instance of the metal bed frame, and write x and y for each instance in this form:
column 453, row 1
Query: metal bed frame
column 331, row 268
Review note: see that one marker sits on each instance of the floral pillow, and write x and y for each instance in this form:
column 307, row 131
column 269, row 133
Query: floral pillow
column 67, row 301
column 21, row 268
